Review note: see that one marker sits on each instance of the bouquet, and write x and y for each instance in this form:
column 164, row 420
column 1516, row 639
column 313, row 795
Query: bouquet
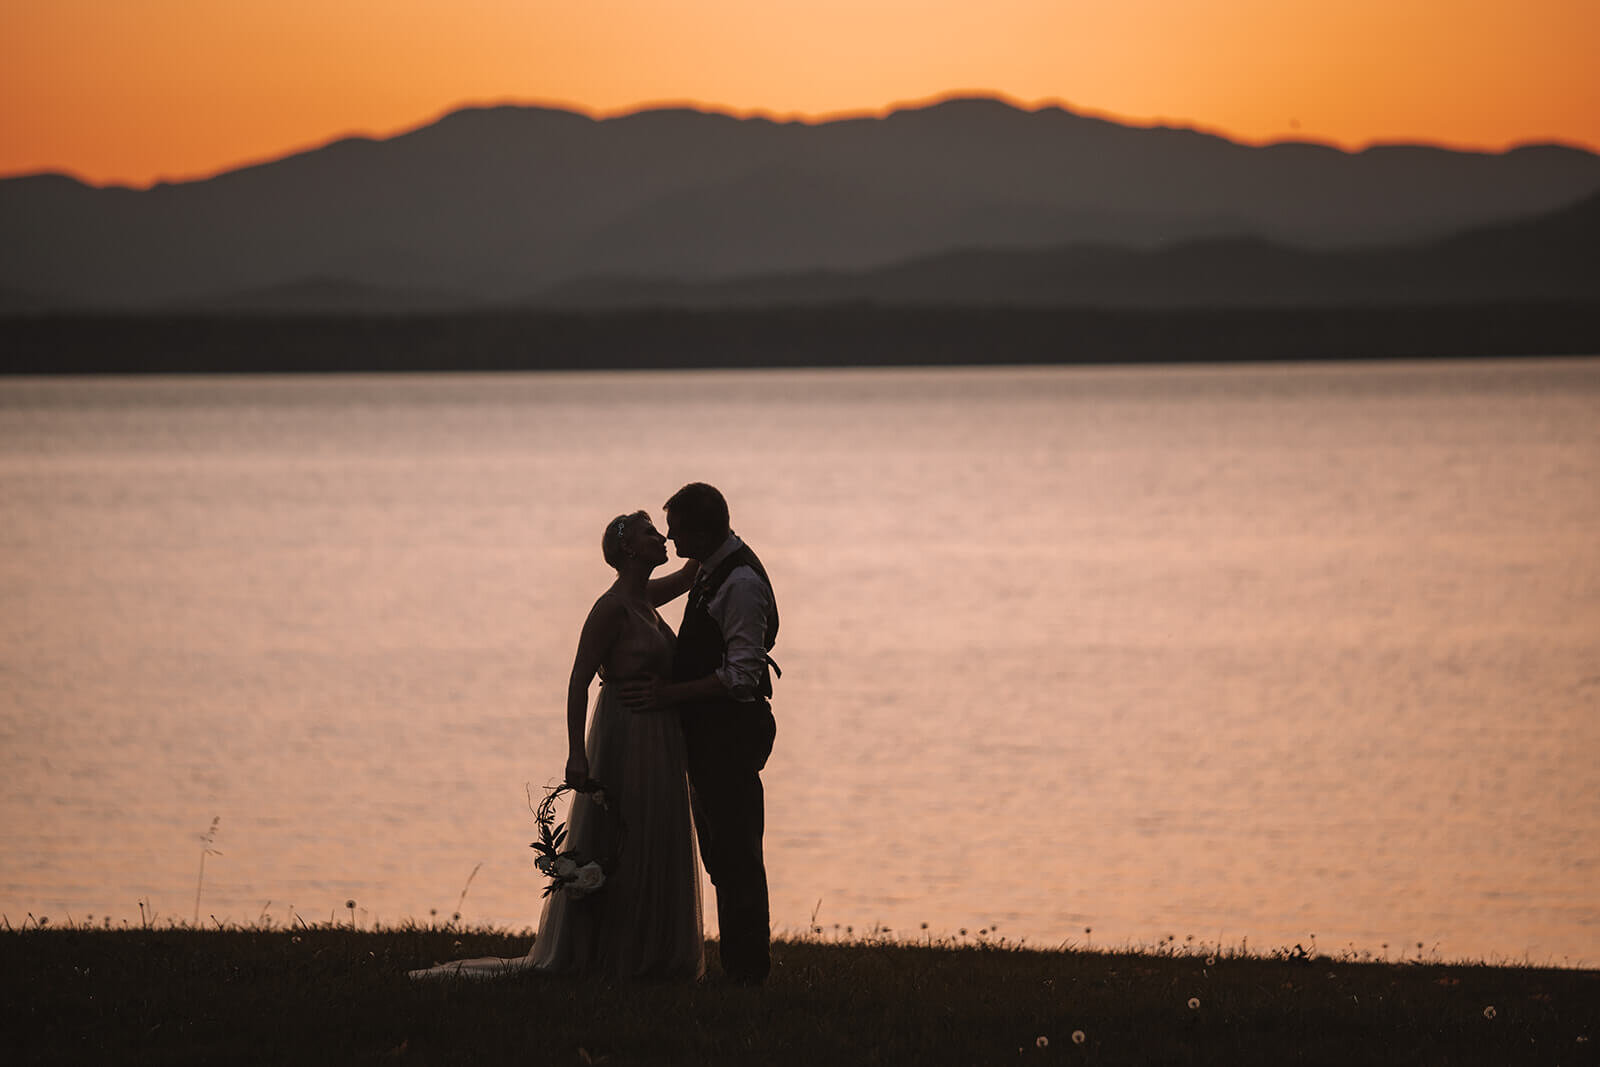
column 569, row 869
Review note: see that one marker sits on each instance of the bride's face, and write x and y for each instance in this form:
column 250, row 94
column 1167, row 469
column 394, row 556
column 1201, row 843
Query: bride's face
column 647, row 543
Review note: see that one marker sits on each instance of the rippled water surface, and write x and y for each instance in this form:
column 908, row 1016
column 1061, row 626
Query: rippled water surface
column 1245, row 652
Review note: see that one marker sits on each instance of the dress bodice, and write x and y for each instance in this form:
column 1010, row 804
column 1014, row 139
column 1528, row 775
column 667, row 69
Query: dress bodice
column 644, row 645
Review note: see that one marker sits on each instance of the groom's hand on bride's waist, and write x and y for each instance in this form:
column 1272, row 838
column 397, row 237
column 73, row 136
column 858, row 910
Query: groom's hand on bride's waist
column 650, row 693
column 642, row 694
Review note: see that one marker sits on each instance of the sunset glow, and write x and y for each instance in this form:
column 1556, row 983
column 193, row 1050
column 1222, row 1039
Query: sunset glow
column 120, row 92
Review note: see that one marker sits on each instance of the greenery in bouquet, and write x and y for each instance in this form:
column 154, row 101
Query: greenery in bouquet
column 570, row 870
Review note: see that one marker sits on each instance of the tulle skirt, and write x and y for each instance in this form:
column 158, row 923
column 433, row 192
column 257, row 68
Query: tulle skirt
column 646, row 921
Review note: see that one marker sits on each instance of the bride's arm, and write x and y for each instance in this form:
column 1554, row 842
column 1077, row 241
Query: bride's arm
column 675, row 584
column 599, row 631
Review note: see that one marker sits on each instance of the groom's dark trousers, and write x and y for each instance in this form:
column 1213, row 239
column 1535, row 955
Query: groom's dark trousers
column 728, row 742
column 729, row 819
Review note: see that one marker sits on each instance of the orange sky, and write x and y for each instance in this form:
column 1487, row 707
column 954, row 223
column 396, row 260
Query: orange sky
column 135, row 90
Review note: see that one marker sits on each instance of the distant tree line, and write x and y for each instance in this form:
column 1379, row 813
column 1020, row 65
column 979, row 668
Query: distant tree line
column 829, row 336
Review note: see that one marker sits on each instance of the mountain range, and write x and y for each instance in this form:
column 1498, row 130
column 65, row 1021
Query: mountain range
column 1553, row 257
column 966, row 200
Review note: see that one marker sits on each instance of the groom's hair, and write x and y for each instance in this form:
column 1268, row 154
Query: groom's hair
column 702, row 505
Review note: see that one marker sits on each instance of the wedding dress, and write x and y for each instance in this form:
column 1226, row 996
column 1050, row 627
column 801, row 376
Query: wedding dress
column 645, row 922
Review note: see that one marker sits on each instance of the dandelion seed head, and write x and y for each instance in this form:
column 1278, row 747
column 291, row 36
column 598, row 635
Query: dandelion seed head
column 1194, row 1003
column 350, row 904
column 1041, row 1042
column 455, row 916
column 1079, row 1037
column 1489, row 1012
column 1211, row 961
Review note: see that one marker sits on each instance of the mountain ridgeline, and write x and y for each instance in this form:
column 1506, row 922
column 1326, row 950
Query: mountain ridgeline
column 964, row 201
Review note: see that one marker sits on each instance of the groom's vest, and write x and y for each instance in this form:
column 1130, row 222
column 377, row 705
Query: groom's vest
column 701, row 645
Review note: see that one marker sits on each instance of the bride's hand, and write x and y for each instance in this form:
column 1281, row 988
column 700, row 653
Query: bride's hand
column 577, row 770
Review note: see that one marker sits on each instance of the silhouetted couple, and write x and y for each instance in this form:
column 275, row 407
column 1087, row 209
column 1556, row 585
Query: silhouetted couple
column 678, row 737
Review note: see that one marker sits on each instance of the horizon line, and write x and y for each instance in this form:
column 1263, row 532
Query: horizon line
column 1053, row 103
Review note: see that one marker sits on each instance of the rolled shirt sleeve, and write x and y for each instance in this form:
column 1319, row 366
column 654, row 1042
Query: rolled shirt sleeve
column 743, row 609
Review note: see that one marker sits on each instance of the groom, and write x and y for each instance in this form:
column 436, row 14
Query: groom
column 721, row 683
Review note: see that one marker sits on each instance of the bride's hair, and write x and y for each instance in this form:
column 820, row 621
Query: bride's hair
column 611, row 540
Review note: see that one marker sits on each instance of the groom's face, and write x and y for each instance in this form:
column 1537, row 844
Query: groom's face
column 689, row 541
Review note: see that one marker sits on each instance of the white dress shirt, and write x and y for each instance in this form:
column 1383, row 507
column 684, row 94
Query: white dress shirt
column 743, row 608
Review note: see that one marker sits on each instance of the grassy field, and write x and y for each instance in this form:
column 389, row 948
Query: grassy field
column 327, row 994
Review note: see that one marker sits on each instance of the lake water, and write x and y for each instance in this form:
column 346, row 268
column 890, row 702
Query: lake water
column 1235, row 653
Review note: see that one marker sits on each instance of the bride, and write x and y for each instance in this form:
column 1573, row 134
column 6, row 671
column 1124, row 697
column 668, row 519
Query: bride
column 645, row 921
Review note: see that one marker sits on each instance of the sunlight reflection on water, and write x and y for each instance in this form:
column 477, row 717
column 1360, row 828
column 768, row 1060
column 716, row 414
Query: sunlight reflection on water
column 1251, row 651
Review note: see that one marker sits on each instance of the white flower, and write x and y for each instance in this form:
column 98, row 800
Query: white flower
column 565, row 868
column 587, row 879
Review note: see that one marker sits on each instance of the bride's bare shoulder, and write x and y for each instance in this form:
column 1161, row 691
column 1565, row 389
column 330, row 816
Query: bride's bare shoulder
column 608, row 603
column 603, row 624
